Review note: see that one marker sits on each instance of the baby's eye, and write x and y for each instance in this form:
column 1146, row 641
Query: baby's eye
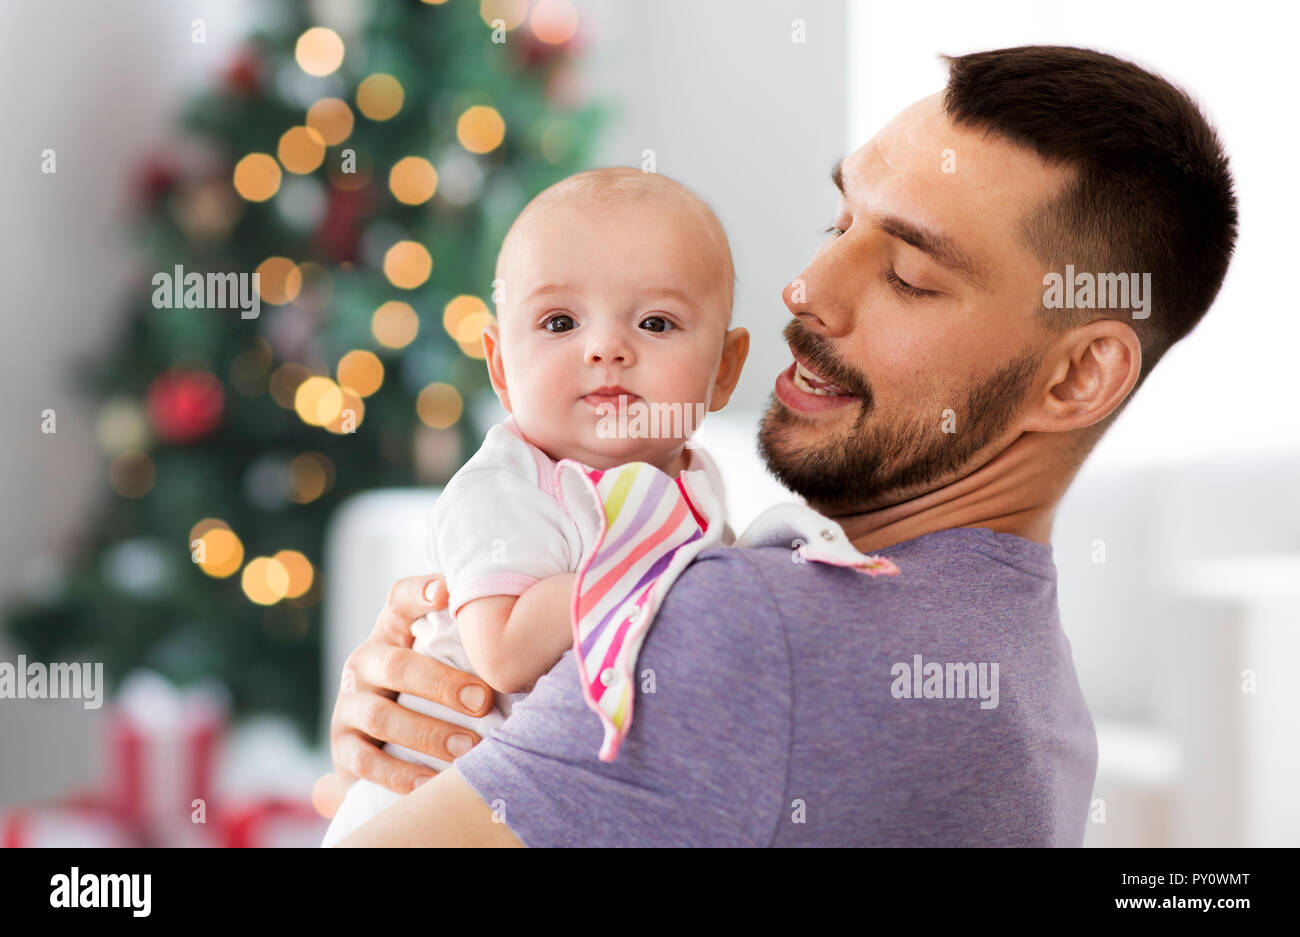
column 666, row 325
column 556, row 318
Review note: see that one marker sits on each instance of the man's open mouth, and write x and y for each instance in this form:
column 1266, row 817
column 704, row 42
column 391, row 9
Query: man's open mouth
column 810, row 383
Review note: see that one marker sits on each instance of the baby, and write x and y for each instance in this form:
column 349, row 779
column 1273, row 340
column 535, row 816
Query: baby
column 614, row 292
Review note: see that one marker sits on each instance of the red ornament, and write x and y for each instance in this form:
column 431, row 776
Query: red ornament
column 340, row 230
column 156, row 176
column 243, row 75
column 533, row 53
column 185, row 405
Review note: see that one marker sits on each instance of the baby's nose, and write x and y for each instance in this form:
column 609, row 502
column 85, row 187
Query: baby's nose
column 608, row 348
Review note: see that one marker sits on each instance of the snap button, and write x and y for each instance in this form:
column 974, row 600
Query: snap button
column 607, row 676
column 828, row 534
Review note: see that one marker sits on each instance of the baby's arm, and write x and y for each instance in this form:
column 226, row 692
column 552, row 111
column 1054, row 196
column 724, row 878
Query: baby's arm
column 513, row 640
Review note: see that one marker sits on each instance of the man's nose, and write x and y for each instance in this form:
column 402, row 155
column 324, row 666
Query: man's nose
column 821, row 295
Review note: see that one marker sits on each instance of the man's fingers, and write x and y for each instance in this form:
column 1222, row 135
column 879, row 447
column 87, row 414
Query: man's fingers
column 412, row 598
column 366, row 761
column 398, row 668
column 385, row 721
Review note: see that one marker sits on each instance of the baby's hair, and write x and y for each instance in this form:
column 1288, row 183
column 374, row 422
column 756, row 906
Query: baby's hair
column 623, row 185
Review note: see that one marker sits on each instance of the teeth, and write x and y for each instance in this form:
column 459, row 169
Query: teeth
column 803, row 379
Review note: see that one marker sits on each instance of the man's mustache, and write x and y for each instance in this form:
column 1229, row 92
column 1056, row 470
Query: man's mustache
column 815, row 350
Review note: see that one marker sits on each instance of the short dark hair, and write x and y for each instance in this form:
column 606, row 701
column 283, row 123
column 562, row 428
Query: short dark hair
column 1152, row 191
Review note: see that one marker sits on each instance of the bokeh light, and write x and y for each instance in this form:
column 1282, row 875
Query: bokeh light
column 480, row 129
column 207, row 211
column 413, row 180
column 469, row 334
column 310, row 476
column 332, row 119
column 394, row 324
column 317, row 285
column 265, row 580
column 456, row 311
column 361, row 371
column 205, row 525
column 248, row 372
column 439, row 405
column 317, row 401
column 223, row 552
column 300, row 572
column 319, row 51
column 465, row 318
column 379, row 96
column 511, row 12
column 352, row 412
column 257, row 177
column 554, row 21
column 301, row 150
column 285, row 382
column 407, row 264
column 279, row 280
column 132, row 474
column 121, row 426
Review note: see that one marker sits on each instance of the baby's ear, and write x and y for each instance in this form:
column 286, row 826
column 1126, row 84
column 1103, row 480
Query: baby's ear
column 496, row 369
column 735, row 349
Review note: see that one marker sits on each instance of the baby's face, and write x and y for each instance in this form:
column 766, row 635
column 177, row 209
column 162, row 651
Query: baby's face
column 634, row 297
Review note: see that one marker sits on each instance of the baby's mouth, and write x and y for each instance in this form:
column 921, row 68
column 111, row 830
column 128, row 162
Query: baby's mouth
column 610, row 395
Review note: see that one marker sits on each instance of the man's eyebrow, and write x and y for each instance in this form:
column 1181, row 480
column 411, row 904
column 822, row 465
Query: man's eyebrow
column 942, row 249
column 939, row 247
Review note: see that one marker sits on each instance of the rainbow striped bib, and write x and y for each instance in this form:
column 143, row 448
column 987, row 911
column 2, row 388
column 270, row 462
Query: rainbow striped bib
column 641, row 528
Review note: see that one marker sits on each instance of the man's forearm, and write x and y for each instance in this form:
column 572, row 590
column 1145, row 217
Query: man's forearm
column 444, row 811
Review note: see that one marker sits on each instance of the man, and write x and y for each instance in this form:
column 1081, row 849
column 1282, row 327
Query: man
column 956, row 397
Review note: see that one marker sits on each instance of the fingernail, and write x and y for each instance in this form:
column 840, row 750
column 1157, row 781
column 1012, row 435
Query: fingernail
column 430, row 590
column 472, row 698
column 419, row 781
column 458, row 745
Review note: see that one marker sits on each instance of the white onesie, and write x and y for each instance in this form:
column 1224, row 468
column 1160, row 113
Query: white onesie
column 497, row 528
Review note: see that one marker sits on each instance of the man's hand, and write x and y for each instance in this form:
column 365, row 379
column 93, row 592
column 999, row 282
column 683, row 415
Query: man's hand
column 366, row 716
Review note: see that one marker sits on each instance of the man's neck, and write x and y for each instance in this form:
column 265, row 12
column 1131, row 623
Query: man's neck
column 1015, row 492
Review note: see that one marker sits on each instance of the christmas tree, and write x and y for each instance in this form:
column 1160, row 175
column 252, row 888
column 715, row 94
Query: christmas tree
column 364, row 161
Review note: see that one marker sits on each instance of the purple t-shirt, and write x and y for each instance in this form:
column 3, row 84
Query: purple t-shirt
column 800, row 704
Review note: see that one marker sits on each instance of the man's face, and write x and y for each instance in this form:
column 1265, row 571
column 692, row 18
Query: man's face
column 928, row 385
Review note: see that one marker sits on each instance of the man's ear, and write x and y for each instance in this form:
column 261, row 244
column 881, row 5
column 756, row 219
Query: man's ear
column 1093, row 368
column 496, row 370
column 735, row 349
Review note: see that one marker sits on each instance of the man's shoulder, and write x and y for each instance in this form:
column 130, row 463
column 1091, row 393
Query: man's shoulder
column 723, row 585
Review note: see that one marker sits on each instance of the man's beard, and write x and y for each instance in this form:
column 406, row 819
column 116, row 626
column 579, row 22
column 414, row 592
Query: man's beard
column 877, row 462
